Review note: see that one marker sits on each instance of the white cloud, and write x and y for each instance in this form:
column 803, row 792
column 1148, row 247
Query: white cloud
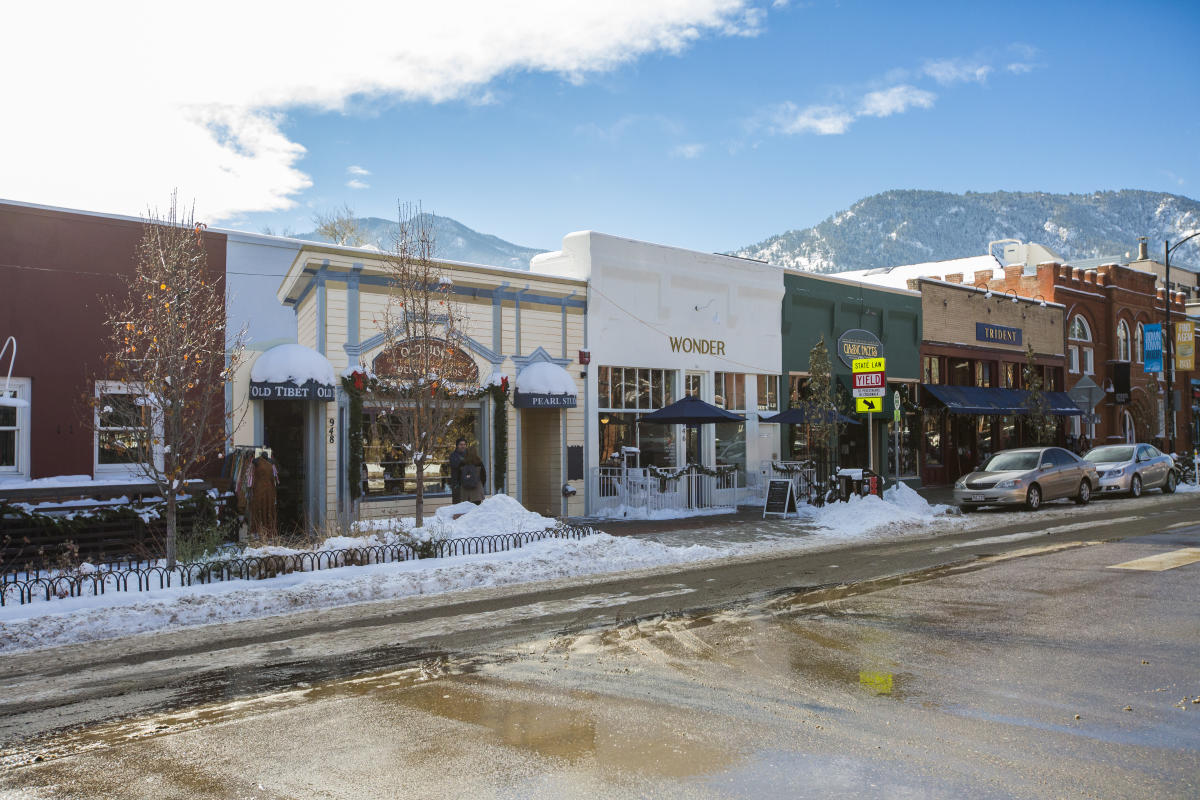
column 693, row 150
column 355, row 169
column 957, row 70
column 830, row 120
column 822, row 120
column 895, row 100
column 128, row 100
column 355, row 183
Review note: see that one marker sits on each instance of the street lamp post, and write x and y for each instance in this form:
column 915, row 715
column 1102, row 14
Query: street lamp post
column 1169, row 334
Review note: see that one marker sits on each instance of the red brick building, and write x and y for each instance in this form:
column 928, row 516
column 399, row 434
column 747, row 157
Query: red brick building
column 55, row 266
column 1106, row 310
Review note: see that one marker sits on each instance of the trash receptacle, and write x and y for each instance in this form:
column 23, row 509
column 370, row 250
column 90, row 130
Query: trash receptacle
column 861, row 482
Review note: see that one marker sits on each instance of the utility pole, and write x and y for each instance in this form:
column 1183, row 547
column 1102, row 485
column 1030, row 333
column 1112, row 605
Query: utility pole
column 1169, row 366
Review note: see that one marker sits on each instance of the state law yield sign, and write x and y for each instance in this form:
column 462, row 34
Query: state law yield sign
column 869, row 380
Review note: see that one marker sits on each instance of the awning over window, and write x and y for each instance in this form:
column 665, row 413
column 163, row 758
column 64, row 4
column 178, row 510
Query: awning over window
column 988, row 401
column 543, row 384
column 292, row 372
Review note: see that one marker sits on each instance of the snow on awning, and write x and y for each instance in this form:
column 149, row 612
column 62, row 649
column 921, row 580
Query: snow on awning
column 292, row 372
column 544, row 385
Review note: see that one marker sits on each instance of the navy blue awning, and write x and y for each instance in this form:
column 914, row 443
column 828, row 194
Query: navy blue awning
column 990, row 402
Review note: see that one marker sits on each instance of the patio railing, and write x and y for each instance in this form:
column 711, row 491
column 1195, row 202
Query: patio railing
column 617, row 491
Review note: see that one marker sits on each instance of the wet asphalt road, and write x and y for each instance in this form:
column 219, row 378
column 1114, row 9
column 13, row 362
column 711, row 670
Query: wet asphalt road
column 907, row 669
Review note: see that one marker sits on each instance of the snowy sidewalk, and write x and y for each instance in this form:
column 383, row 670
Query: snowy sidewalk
column 904, row 514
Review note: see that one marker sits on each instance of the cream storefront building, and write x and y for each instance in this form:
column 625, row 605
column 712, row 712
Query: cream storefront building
column 662, row 323
column 526, row 328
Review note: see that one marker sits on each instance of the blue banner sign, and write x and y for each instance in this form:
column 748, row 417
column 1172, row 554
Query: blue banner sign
column 1152, row 350
column 999, row 334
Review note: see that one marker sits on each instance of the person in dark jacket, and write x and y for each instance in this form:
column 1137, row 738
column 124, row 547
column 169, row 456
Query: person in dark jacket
column 473, row 476
column 456, row 459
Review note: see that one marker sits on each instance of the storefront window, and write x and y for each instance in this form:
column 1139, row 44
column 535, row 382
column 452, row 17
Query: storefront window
column 624, row 388
column 1008, row 433
column 1008, row 376
column 907, row 430
column 959, row 372
column 617, row 430
column 14, row 431
column 932, row 433
column 642, row 390
column 768, row 392
column 983, row 437
column 931, row 370
column 121, row 419
column 387, row 462
column 729, row 391
column 983, row 373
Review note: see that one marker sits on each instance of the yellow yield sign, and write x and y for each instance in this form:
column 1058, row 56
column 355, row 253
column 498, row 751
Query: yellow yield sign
column 868, row 405
column 868, row 365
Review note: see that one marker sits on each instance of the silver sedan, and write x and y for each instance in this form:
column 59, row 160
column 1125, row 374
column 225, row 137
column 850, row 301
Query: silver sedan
column 1027, row 476
column 1132, row 468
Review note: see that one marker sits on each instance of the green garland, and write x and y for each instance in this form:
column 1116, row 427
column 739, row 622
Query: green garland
column 359, row 384
column 667, row 474
column 802, row 467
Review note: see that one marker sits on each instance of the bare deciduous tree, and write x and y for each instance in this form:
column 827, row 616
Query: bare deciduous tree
column 423, row 365
column 819, row 401
column 340, row 226
column 169, row 347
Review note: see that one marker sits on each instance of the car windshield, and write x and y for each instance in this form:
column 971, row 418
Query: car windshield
column 1114, row 452
column 1006, row 462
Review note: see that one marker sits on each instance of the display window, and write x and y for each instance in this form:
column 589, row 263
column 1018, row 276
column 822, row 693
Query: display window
column 388, row 468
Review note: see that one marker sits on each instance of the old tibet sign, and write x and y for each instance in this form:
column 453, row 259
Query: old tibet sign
column 413, row 359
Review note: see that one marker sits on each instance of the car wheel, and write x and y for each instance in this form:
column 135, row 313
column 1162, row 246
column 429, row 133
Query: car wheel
column 1169, row 486
column 1033, row 498
column 1085, row 493
column 967, row 508
column 1135, row 486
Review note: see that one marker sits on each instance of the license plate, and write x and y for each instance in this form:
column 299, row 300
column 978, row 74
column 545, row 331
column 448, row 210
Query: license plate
column 978, row 498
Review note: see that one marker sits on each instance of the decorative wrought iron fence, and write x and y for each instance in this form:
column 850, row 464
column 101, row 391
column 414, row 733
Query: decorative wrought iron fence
column 129, row 575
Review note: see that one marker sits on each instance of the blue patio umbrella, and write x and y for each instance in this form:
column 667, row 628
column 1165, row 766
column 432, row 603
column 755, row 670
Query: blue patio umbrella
column 799, row 416
column 691, row 411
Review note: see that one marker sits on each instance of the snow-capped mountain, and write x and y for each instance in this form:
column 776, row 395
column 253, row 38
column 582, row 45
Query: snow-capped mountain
column 910, row 226
column 455, row 242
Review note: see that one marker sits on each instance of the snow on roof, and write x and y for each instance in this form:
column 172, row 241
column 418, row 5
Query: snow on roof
column 292, row 362
column 544, row 377
column 899, row 276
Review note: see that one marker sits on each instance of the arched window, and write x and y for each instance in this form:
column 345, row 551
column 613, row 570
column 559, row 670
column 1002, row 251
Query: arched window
column 1080, row 330
column 1138, row 342
column 1127, row 429
column 1123, row 353
column 1079, row 356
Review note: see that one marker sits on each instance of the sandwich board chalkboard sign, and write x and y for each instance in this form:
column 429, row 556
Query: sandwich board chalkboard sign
column 781, row 497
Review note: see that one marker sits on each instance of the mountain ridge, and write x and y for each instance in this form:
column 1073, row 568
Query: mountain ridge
column 454, row 242
column 910, row 226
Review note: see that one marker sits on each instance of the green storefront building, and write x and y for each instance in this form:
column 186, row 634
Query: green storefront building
column 856, row 320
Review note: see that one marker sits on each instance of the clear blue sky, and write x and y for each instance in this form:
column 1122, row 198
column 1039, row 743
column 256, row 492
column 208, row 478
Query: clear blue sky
column 716, row 142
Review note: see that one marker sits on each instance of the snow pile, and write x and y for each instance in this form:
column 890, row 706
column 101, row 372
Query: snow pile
column 545, row 378
column 292, row 362
column 900, row 506
column 83, row 619
column 496, row 515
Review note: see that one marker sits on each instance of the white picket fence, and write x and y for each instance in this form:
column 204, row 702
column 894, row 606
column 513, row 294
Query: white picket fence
column 616, row 491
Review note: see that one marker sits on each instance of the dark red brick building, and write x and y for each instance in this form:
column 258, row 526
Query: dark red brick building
column 55, row 266
column 1106, row 311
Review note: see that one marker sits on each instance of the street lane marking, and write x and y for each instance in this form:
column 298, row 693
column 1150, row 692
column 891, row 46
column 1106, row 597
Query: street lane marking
column 1162, row 561
column 1181, row 525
